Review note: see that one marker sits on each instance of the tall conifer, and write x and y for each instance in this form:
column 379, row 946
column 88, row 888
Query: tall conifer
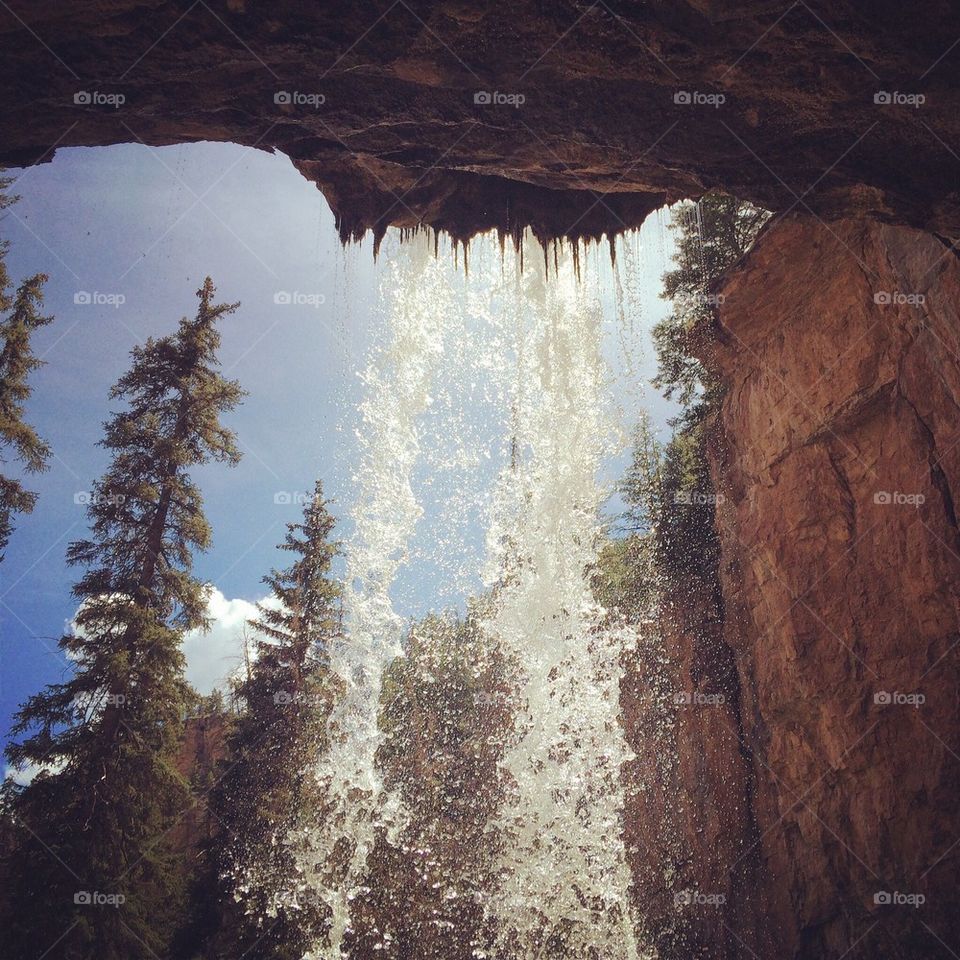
column 20, row 310
column 95, row 875
column 269, row 789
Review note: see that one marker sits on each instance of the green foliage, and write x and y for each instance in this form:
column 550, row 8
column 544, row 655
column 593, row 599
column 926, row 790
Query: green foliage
column 624, row 580
column 670, row 516
column 21, row 317
column 686, row 531
column 711, row 235
column 641, row 484
column 96, row 819
column 268, row 788
column 147, row 511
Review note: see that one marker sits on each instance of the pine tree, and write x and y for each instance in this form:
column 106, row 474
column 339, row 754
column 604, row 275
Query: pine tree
column 711, row 235
column 625, row 581
column 17, row 362
column 445, row 713
column 96, row 878
column 269, row 788
column 640, row 486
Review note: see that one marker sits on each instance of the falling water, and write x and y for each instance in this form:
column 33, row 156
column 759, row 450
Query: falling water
column 564, row 881
column 533, row 348
column 333, row 853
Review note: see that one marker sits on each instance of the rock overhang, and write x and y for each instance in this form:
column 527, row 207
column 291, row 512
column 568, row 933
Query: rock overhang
column 573, row 120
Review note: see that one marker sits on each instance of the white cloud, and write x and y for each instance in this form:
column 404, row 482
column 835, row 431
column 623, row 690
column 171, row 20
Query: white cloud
column 213, row 655
column 24, row 775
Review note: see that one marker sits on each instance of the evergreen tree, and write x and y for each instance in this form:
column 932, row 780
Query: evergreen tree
column 445, row 712
column 96, row 876
column 624, row 581
column 686, row 538
column 269, row 788
column 21, row 310
column 711, row 235
column 640, row 486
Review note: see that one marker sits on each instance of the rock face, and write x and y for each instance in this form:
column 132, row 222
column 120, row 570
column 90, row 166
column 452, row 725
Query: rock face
column 690, row 827
column 838, row 453
column 574, row 118
column 202, row 750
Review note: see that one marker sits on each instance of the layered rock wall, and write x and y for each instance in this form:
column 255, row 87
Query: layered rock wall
column 573, row 118
column 837, row 450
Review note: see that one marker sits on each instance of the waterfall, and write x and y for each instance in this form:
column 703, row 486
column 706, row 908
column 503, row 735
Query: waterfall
column 333, row 852
column 563, row 877
column 531, row 345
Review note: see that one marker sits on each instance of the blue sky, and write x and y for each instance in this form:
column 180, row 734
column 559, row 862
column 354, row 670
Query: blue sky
column 137, row 229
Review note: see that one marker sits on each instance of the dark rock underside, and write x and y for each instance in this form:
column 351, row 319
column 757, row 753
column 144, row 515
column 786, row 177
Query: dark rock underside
column 598, row 142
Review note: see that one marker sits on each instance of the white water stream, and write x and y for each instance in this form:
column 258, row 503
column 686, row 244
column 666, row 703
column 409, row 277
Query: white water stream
column 536, row 343
column 563, row 876
column 333, row 853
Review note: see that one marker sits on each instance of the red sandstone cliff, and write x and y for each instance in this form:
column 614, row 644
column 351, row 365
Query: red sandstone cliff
column 202, row 750
column 838, row 450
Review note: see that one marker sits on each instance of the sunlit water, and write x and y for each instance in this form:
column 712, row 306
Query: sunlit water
column 520, row 355
column 563, row 878
column 333, row 854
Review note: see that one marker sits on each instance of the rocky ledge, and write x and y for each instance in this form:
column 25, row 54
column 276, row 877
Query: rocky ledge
column 573, row 118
